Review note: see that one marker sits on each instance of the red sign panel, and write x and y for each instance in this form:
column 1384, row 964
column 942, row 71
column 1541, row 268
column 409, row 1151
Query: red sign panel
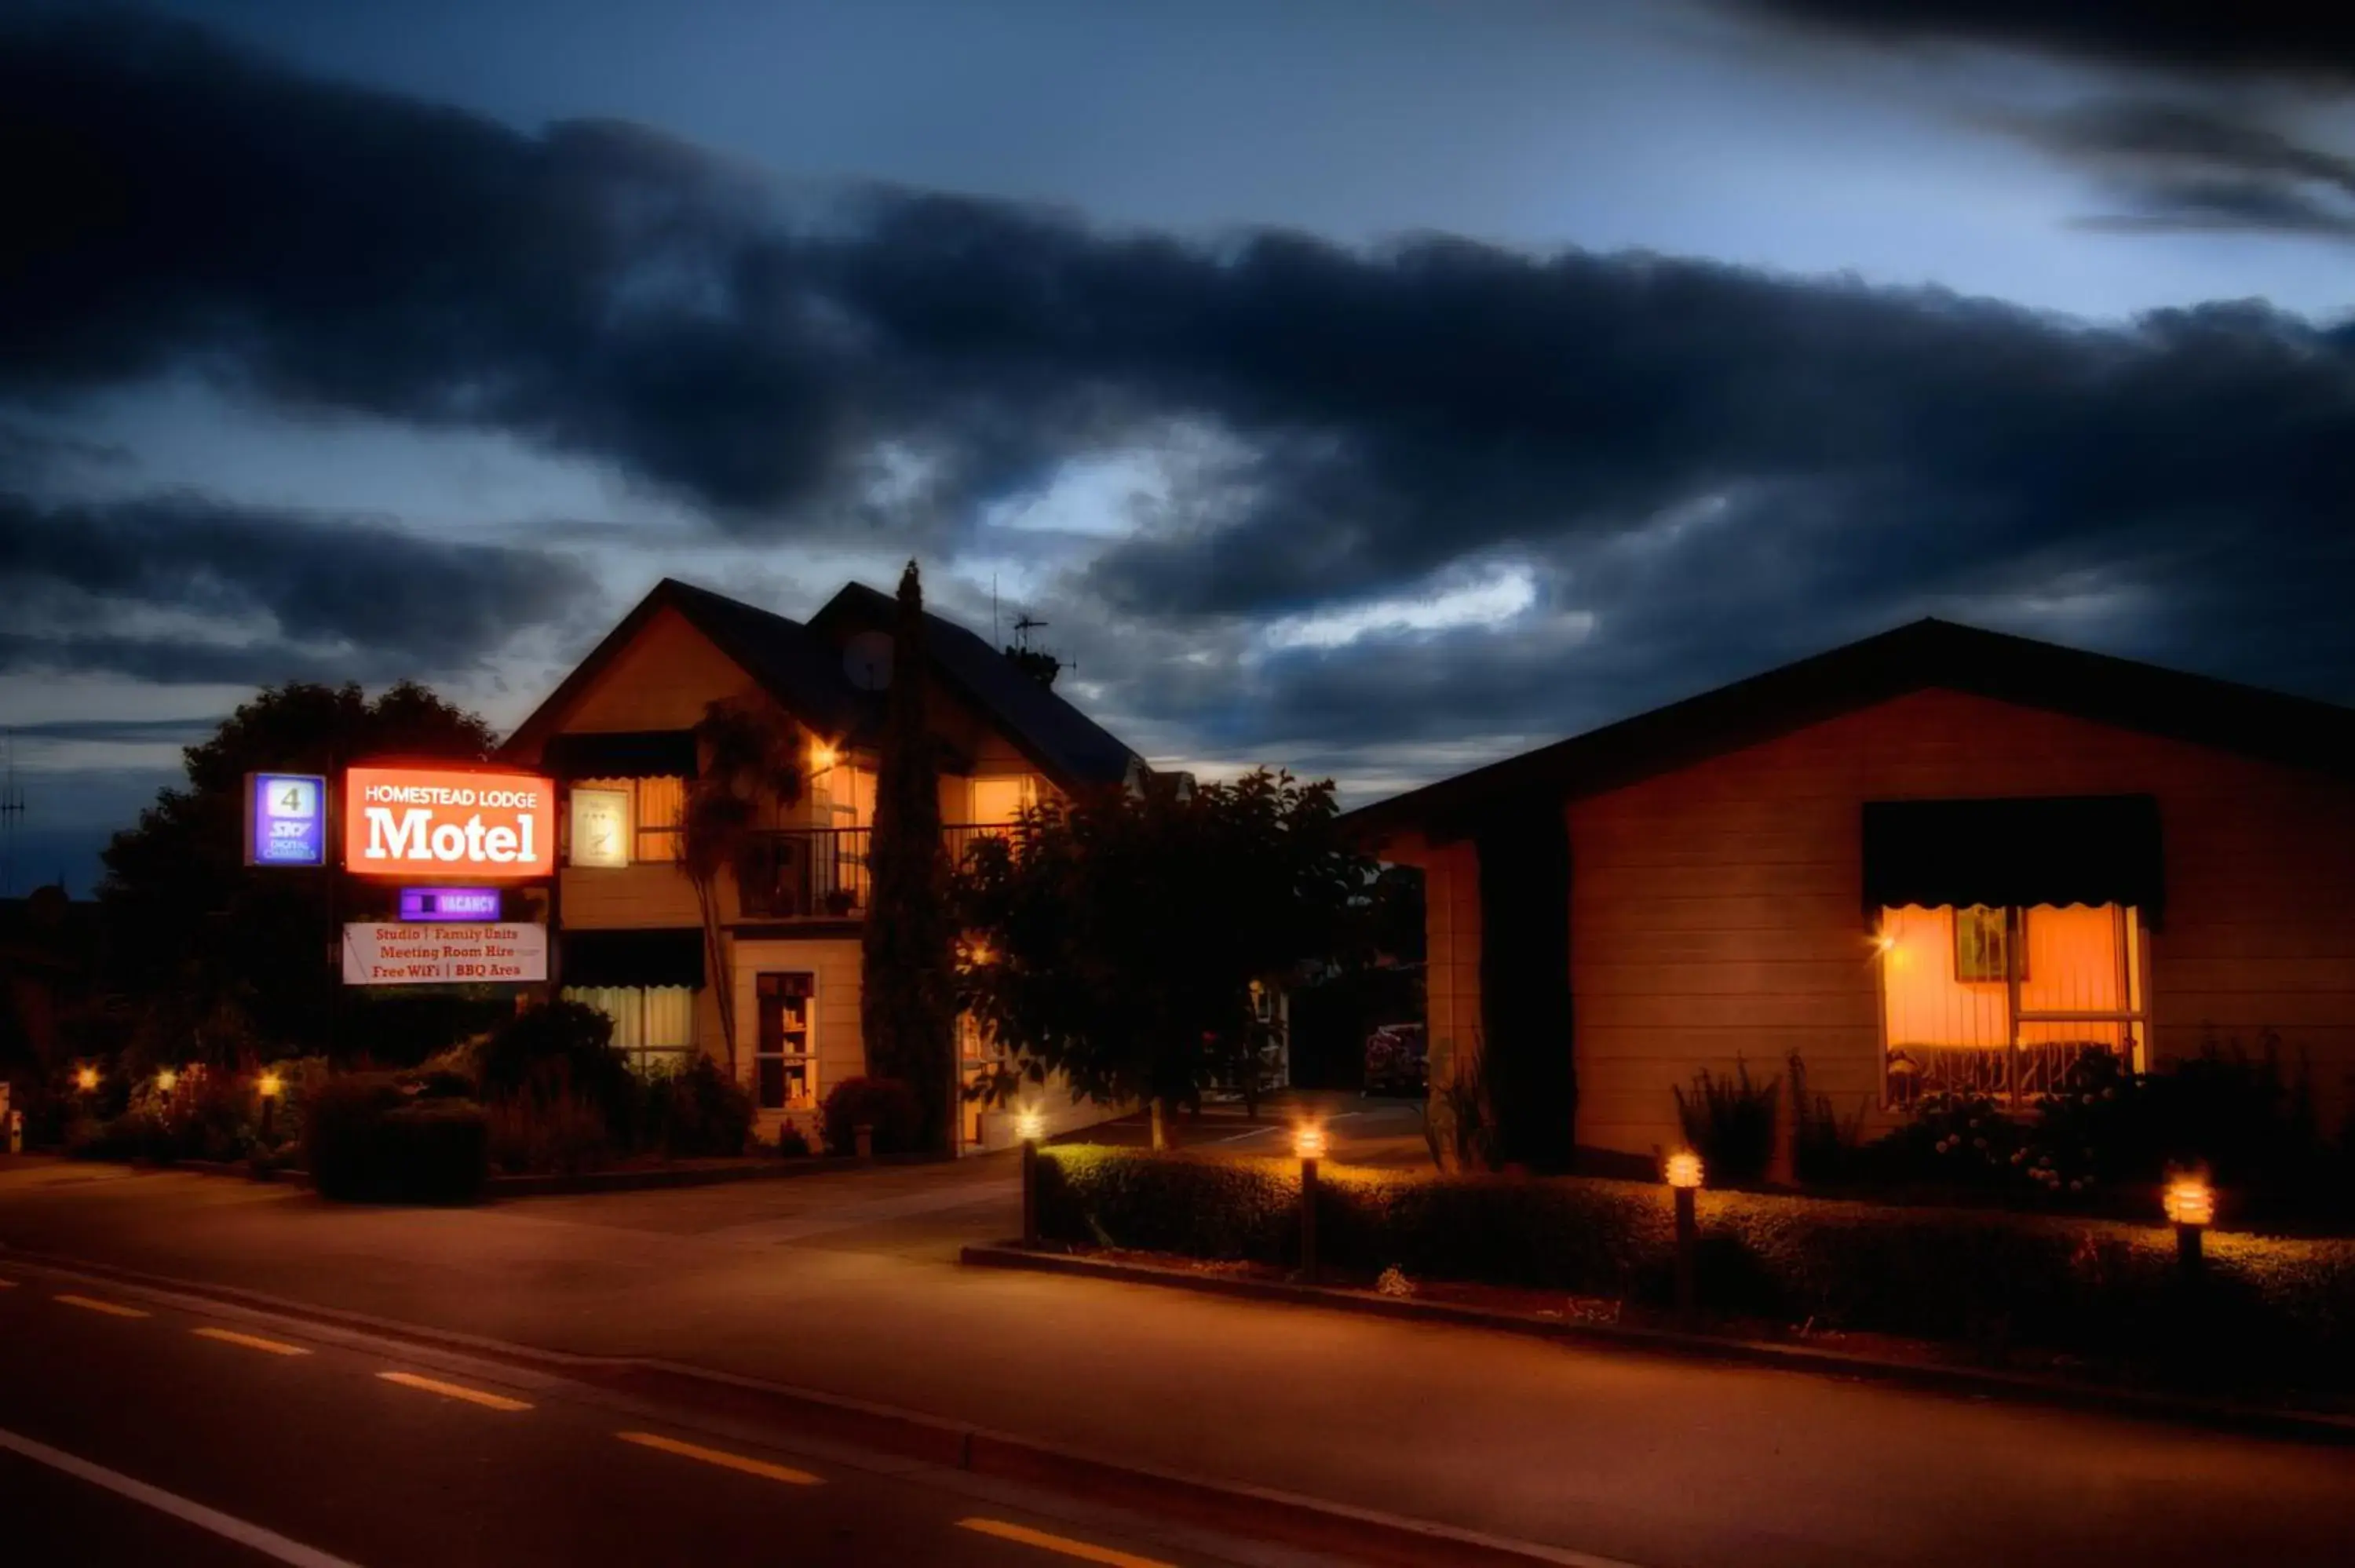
column 412, row 822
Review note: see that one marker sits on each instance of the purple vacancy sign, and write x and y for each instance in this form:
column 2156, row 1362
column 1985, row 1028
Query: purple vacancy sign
column 285, row 818
column 449, row 904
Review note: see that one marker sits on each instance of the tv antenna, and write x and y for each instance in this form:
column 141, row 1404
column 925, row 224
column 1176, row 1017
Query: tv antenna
column 12, row 811
column 1023, row 625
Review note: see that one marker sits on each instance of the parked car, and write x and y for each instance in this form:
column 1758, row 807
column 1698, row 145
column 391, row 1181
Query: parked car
column 1398, row 1061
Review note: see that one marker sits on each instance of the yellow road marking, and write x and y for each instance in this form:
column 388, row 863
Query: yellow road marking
column 1064, row 1545
column 250, row 1341
column 111, row 1309
column 455, row 1391
column 726, row 1461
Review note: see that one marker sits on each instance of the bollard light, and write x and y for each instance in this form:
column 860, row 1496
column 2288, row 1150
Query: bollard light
column 270, row 1086
column 1684, row 1173
column 86, row 1079
column 2191, row 1206
column 167, row 1080
column 1308, row 1145
column 2190, row 1202
column 1028, row 1125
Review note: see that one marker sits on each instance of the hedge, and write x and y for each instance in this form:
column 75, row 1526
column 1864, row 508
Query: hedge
column 2267, row 1307
column 369, row 1140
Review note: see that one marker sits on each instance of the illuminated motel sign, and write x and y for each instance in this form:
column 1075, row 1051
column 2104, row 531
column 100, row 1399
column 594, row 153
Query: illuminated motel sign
column 436, row 822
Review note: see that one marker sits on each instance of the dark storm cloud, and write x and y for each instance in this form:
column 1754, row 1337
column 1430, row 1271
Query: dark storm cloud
column 2185, row 166
column 1719, row 466
column 306, row 595
column 2293, row 38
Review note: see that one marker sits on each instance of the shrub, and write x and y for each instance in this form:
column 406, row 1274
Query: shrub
column 563, row 1049
column 563, row 1135
column 1825, row 1147
column 1729, row 1123
column 366, row 1140
column 2268, row 1307
column 887, row 1104
column 699, row 1110
column 793, row 1143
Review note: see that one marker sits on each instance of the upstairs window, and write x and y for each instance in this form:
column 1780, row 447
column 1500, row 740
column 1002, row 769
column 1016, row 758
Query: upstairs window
column 626, row 822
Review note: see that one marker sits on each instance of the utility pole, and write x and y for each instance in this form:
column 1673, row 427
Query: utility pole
column 12, row 811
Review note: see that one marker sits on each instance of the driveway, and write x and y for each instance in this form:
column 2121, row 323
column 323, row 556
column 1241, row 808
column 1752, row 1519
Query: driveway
column 1359, row 1129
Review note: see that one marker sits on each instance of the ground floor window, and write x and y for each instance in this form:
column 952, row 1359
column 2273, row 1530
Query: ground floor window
column 1986, row 1000
column 979, row 1057
column 653, row 1025
column 784, row 1052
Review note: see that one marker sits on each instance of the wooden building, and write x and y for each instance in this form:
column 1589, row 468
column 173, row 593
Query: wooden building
column 1941, row 857
column 618, row 735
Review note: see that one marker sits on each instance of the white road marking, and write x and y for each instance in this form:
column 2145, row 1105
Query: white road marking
column 269, row 1542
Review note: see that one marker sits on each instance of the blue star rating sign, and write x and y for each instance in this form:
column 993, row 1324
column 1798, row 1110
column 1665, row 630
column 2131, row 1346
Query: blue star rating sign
column 285, row 818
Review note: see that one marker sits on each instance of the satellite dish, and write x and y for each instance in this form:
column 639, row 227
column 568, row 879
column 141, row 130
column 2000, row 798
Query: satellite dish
column 867, row 660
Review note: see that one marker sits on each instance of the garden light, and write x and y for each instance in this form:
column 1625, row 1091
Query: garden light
column 86, row 1079
column 1684, row 1173
column 1308, row 1144
column 1028, row 1125
column 167, row 1080
column 270, row 1086
column 2191, row 1205
column 2190, row 1202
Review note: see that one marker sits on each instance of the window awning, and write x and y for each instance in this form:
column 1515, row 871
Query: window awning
column 622, row 754
column 633, row 958
column 2077, row 849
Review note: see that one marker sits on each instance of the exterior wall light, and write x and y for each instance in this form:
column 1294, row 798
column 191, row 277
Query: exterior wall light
column 822, row 756
column 1683, row 1171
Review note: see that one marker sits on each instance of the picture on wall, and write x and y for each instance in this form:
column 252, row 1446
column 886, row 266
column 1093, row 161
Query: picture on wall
column 1982, row 945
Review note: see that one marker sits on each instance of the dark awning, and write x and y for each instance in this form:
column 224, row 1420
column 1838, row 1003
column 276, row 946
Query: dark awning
column 633, row 958
column 624, row 753
column 2078, row 848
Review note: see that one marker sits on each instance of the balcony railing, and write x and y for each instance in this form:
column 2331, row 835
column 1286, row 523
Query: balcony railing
column 821, row 873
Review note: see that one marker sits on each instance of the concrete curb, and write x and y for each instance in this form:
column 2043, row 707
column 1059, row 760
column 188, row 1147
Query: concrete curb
column 1237, row 1506
column 2267, row 1421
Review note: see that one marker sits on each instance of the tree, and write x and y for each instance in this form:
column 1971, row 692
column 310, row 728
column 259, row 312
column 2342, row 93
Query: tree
column 1115, row 940
column 907, row 1004
column 748, row 756
column 218, row 957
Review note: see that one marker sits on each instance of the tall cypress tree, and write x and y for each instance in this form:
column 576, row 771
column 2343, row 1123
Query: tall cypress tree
column 907, row 1005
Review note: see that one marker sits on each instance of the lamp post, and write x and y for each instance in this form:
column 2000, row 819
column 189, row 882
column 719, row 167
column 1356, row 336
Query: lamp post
column 1684, row 1174
column 2191, row 1205
column 1308, row 1143
column 1028, row 1125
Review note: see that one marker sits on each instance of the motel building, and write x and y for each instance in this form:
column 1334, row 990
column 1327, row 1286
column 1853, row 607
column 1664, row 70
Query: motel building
column 1939, row 859
column 626, row 935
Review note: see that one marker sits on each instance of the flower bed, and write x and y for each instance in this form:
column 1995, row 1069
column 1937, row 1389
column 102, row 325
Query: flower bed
column 2268, row 1308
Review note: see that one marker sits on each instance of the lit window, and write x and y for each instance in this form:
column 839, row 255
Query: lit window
column 2005, row 1002
column 620, row 821
column 654, row 1026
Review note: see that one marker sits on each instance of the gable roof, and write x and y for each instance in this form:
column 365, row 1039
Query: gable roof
column 801, row 666
column 1926, row 653
column 1065, row 742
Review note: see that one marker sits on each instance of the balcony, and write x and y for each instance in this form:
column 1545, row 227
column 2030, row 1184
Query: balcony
column 821, row 873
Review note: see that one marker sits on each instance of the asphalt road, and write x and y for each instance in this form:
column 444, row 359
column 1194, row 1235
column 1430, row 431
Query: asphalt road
column 136, row 1432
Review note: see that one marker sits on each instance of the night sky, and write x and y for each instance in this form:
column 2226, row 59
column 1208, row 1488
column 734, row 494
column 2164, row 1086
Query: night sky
column 1373, row 387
